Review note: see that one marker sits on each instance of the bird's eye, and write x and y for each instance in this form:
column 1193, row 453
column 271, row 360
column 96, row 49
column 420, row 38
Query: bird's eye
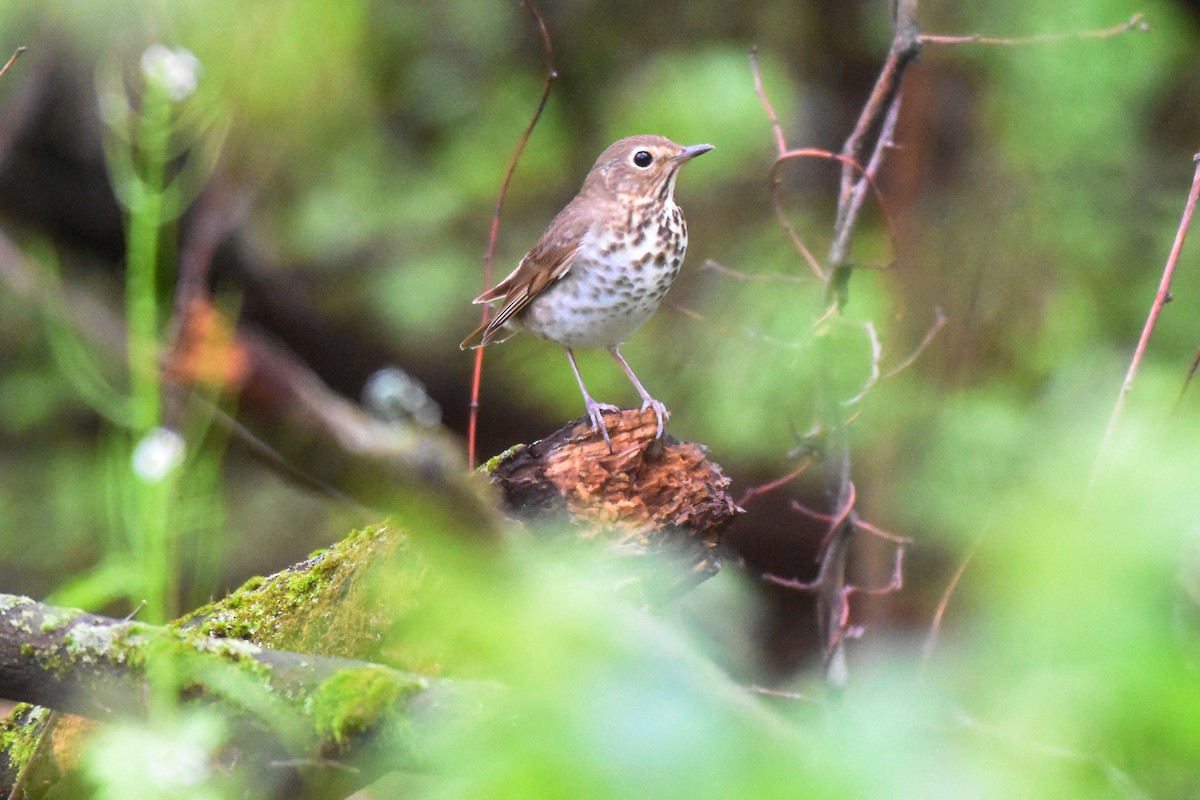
column 642, row 159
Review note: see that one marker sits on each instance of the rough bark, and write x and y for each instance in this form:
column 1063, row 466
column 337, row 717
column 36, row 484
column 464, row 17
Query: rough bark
column 646, row 495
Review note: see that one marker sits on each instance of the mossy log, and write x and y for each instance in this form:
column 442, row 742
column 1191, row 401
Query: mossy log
column 339, row 712
column 345, row 609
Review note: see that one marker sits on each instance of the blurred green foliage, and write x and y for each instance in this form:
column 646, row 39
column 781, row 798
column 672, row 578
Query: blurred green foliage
column 1035, row 195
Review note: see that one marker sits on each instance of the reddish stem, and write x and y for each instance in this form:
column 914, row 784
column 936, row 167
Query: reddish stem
column 490, row 253
column 16, row 54
column 1160, row 299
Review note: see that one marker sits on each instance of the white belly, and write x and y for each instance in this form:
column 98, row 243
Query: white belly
column 600, row 303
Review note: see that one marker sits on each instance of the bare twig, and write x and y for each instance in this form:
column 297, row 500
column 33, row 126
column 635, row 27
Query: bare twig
column 935, row 625
column 862, row 525
column 885, row 101
column 738, row 275
column 782, row 153
column 939, row 321
column 1161, row 298
column 747, row 332
column 1135, row 23
column 756, row 71
column 873, row 378
column 490, row 253
column 766, row 691
column 16, row 54
column 895, row 581
column 868, row 144
column 770, row 486
column 1188, row 380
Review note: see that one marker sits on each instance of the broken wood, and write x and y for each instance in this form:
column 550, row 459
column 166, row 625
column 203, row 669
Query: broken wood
column 647, row 495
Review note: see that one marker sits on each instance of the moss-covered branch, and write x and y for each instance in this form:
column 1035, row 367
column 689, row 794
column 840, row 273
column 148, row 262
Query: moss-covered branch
column 302, row 717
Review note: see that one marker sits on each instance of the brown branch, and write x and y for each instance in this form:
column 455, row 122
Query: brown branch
column 747, row 332
column 853, row 191
column 781, row 149
column 493, row 234
column 935, row 625
column 756, row 71
column 880, row 115
column 11, row 60
column 1191, row 374
column 848, row 163
column 939, row 322
column 766, row 488
column 1134, row 23
column 713, row 266
column 867, row 144
column 1161, row 298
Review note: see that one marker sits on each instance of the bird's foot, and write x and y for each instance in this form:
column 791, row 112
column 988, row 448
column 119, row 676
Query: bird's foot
column 595, row 412
column 660, row 411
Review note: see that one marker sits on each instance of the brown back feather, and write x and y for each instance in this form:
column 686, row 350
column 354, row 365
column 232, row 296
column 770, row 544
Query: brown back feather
column 548, row 261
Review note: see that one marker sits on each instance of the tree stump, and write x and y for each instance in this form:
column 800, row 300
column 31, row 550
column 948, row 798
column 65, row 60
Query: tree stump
column 647, row 495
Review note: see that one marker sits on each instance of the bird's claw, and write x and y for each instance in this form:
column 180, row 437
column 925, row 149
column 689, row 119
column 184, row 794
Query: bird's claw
column 595, row 412
column 660, row 412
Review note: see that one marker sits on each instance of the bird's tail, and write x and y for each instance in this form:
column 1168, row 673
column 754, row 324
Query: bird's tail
column 476, row 338
column 485, row 335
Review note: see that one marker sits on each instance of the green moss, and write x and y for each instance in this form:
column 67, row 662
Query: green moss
column 58, row 618
column 339, row 602
column 354, row 701
column 20, row 733
column 489, row 466
column 9, row 602
column 251, row 584
column 304, row 582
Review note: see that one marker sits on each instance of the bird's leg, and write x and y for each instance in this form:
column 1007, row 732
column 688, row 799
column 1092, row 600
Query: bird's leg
column 660, row 411
column 595, row 411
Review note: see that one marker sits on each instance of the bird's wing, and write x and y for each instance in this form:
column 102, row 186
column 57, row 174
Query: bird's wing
column 547, row 262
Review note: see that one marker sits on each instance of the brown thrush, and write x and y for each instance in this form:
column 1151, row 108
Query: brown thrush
column 602, row 267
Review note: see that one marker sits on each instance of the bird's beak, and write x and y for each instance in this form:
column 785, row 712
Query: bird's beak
column 691, row 152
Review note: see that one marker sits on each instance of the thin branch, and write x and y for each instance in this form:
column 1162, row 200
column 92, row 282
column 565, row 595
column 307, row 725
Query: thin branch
column 16, row 54
column 1135, row 23
column 939, row 322
column 780, row 142
column 847, row 161
column 766, row 691
column 738, row 275
column 862, row 525
column 854, row 191
column 777, row 204
column 747, row 332
column 1161, row 298
column 880, row 114
column 895, row 582
column 841, row 516
column 490, row 253
column 1188, row 380
column 935, row 625
column 887, row 536
column 766, row 488
column 873, row 378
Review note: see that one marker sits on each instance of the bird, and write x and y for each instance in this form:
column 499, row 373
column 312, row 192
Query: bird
column 601, row 268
